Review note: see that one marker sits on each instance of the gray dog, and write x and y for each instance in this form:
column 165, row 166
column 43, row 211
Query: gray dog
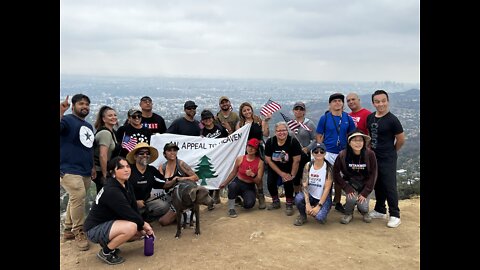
column 187, row 195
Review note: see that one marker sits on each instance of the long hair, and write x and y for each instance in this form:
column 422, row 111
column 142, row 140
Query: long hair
column 256, row 119
column 101, row 113
column 349, row 157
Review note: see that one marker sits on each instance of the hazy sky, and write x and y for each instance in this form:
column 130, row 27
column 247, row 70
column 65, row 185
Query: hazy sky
column 323, row 40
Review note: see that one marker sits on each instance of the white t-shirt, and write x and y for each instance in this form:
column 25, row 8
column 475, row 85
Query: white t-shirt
column 316, row 181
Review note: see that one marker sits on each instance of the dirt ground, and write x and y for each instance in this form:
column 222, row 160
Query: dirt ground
column 260, row 239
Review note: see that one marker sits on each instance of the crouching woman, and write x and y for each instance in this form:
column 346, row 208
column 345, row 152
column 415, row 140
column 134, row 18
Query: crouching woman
column 114, row 218
column 316, row 198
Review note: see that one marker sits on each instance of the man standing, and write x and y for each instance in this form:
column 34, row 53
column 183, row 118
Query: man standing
column 358, row 113
column 76, row 165
column 226, row 117
column 154, row 122
column 332, row 130
column 387, row 136
column 186, row 125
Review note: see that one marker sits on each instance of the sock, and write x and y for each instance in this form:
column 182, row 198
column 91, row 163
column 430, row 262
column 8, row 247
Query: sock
column 275, row 198
column 231, row 203
column 289, row 200
column 106, row 250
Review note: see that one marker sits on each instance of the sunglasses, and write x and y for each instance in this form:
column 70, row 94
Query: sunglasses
column 143, row 153
column 190, row 108
column 135, row 116
column 319, row 151
column 146, row 100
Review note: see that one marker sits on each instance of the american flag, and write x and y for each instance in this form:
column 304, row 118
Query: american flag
column 129, row 143
column 294, row 124
column 270, row 107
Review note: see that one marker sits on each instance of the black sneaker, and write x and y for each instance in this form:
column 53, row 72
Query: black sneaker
column 110, row 258
column 339, row 207
column 232, row 213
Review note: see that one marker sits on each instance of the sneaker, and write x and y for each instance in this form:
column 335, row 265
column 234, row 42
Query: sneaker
column 339, row 207
column 393, row 222
column 68, row 234
column 232, row 213
column 239, row 201
column 367, row 218
column 110, row 258
column 81, row 240
column 289, row 209
column 346, row 219
column 375, row 214
column 274, row 205
column 261, row 201
column 300, row 220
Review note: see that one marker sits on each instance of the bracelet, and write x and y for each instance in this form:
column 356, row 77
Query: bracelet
column 321, row 205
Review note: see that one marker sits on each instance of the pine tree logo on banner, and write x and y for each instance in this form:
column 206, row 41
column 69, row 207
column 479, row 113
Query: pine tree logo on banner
column 205, row 170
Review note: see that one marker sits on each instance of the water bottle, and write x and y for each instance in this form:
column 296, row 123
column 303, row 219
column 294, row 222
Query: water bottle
column 148, row 245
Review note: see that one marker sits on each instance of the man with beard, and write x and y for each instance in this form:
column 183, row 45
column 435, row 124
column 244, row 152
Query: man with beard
column 76, row 165
column 226, row 117
column 154, row 122
column 186, row 125
column 143, row 178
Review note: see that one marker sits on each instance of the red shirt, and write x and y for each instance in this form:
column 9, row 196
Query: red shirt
column 360, row 119
column 253, row 165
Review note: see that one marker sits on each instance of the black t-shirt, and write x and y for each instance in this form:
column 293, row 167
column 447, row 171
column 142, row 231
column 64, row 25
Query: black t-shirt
column 283, row 155
column 256, row 131
column 182, row 126
column 216, row 132
column 156, row 123
column 128, row 132
column 382, row 131
column 143, row 183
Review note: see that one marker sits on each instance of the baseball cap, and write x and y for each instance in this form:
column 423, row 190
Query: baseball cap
column 336, row 96
column 299, row 104
column 134, row 110
column 189, row 103
column 319, row 145
column 254, row 142
column 222, row 98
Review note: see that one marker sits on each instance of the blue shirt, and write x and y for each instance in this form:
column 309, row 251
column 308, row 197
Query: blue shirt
column 334, row 140
column 76, row 146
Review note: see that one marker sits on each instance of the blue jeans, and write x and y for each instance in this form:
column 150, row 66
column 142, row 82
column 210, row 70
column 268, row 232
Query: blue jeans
column 322, row 214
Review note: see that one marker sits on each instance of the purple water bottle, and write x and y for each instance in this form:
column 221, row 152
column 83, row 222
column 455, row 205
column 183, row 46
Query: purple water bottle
column 148, row 245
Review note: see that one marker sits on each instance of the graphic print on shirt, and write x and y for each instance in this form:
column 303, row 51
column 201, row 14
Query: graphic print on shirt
column 86, row 136
column 280, row 156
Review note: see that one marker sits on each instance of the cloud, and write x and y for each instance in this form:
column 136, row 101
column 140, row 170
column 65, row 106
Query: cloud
column 303, row 40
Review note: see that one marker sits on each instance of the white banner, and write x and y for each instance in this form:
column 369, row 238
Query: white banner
column 211, row 159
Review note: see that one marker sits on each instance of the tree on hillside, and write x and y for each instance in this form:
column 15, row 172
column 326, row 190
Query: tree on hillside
column 205, row 170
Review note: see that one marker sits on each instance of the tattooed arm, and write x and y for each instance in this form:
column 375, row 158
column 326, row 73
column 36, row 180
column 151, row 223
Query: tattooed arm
column 305, row 183
column 191, row 175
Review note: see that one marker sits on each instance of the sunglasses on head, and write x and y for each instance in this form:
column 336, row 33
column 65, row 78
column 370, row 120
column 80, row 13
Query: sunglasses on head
column 316, row 151
column 135, row 116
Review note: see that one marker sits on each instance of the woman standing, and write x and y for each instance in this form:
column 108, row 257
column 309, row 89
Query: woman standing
column 132, row 132
column 316, row 198
column 106, row 145
column 258, row 129
column 355, row 170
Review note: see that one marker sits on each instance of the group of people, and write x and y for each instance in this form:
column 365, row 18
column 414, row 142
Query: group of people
column 354, row 152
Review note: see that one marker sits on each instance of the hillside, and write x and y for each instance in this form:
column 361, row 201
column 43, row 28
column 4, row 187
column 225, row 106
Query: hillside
column 260, row 239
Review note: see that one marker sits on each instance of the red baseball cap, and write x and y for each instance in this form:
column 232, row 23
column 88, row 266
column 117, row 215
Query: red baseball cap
column 254, row 142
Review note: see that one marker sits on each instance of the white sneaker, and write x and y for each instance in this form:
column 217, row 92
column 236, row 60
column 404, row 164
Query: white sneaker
column 393, row 222
column 375, row 214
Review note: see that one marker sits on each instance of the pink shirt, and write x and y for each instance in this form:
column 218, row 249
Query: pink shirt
column 253, row 165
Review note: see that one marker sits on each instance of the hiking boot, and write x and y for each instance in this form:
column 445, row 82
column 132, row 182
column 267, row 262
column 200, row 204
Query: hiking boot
column 367, row 218
column 339, row 207
column 346, row 219
column 300, row 220
column 216, row 196
column 110, row 258
column 81, row 240
column 261, row 201
column 393, row 222
column 239, row 201
column 375, row 214
column 68, row 234
column 232, row 213
column 274, row 205
column 289, row 209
